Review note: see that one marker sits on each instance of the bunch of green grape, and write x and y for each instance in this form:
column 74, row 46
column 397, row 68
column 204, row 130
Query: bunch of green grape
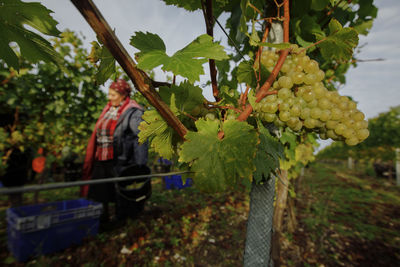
column 302, row 101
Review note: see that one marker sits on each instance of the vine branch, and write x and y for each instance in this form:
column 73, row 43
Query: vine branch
column 140, row 79
column 209, row 19
column 263, row 91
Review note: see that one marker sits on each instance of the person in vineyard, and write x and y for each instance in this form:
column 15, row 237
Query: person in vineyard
column 114, row 148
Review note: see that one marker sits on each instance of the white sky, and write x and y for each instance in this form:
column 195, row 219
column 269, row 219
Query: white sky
column 374, row 85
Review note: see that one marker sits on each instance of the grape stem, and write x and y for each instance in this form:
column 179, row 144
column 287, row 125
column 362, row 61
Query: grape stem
column 209, row 20
column 257, row 59
column 140, row 79
column 263, row 91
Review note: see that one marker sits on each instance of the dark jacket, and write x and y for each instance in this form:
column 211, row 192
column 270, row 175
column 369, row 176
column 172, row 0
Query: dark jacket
column 127, row 150
column 129, row 157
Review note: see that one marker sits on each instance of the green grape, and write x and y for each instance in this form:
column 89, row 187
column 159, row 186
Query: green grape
column 269, row 117
column 308, row 95
column 310, row 123
column 292, row 122
column 310, row 78
column 290, row 100
column 270, row 107
column 300, row 91
column 320, row 75
column 305, row 113
column 284, row 116
column 303, row 61
column 348, row 133
column 298, row 126
column 210, row 116
column 349, row 123
column 319, row 91
column 325, row 115
column 352, row 105
column 331, row 124
column 323, row 136
column 284, row 106
column 313, row 103
column 311, row 66
column 278, row 122
column 331, row 134
column 270, row 62
column 231, row 117
column 297, row 67
column 358, row 116
column 300, row 101
column 340, row 128
column 333, row 96
column 360, row 125
column 284, row 93
column 297, row 77
column 285, row 81
column 285, row 67
column 276, row 85
column 319, row 124
column 324, row 103
column 315, row 113
column 295, row 111
column 342, row 105
column 336, row 114
column 362, row 134
column 271, row 98
column 352, row 141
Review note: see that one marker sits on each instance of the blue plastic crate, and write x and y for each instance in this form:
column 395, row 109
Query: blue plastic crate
column 45, row 228
column 175, row 181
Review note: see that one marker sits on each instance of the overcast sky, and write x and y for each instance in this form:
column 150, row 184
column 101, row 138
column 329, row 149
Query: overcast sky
column 374, row 85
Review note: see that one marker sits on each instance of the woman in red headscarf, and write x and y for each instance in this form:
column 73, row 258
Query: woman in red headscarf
column 113, row 148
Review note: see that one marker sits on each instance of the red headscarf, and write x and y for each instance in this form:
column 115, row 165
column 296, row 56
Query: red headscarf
column 121, row 86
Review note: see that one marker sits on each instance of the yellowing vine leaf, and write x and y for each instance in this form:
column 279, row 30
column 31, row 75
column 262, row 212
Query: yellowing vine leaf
column 156, row 130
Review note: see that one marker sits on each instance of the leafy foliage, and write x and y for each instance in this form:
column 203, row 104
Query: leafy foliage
column 186, row 62
column 220, row 163
column 14, row 14
column 54, row 111
column 340, row 43
column 269, row 151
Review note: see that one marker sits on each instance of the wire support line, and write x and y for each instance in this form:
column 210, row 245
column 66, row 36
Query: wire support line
column 227, row 35
column 51, row 186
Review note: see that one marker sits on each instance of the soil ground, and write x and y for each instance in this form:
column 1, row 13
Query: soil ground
column 344, row 218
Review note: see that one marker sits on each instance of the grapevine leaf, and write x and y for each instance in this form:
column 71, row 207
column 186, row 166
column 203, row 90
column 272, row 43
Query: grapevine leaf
column 319, row 5
column 147, row 42
column 186, row 62
column 363, row 27
column 187, row 96
column 14, row 14
column 254, row 39
column 245, row 73
column 252, row 98
column 268, row 153
column 289, row 138
column 156, row 130
column 219, row 163
column 340, row 43
column 107, row 66
column 367, row 9
column 190, row 5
